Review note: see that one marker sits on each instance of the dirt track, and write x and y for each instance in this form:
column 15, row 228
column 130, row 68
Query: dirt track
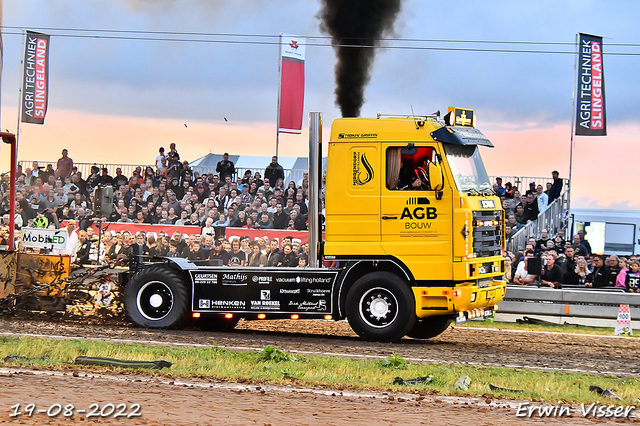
column 165, row 403
column 463, row 345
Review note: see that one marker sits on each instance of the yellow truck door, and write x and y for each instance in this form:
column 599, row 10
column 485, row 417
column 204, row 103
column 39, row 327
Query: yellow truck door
column 415, row 220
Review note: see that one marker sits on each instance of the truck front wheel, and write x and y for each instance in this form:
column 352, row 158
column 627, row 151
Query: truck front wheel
column 157, row 297
column 429, row 327
column 380, row 307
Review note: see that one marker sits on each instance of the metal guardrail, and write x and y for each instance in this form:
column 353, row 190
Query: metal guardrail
column 554, row 218
column 593, row 303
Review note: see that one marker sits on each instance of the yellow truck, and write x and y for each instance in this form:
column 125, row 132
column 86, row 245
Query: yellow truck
column 412, row 228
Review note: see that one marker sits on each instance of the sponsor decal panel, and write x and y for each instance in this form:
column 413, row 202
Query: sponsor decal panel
column 246, row 291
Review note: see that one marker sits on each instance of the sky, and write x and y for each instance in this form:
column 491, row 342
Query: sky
column 118, row 100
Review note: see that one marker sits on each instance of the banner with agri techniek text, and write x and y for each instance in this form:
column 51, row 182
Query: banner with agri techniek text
column 591, row 118
column 35, row 79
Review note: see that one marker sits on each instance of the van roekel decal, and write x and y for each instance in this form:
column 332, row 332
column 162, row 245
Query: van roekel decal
column 362, row 170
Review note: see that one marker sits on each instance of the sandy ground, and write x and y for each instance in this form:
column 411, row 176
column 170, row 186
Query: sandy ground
column 210, row 402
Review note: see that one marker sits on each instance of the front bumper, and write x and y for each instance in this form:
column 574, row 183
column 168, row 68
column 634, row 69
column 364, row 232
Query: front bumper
column 465, row 298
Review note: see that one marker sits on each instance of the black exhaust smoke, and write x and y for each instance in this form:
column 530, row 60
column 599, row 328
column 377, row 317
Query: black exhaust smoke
column 356, row 27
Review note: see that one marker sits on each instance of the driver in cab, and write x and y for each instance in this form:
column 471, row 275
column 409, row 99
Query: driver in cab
column 416, row 178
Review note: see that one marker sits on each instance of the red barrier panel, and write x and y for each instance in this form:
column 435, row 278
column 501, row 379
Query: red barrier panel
column 302, row 236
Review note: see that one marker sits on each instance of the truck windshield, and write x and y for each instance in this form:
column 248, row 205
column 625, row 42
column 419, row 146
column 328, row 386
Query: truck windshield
column 468, row 169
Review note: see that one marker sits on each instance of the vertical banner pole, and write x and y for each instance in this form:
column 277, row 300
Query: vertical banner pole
column 24, row 38
column 1, row 47
column 573, row 120
column 279, row 91
column 315, row 146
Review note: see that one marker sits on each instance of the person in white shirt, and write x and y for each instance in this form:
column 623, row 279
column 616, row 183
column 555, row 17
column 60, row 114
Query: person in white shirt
column 71, row 245
column 522, row 276
column 543, row 199
column 159, row 159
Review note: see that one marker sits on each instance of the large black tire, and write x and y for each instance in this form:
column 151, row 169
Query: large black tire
column 217, row 323
column 380, row 307
column 429, row 327
column 157, row 297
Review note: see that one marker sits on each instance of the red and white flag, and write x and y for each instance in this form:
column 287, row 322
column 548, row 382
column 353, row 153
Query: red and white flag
column 291, row 96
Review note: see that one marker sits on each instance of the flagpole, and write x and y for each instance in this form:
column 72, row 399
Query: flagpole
column 1, row 48
column 279, row 91
column 573, row 118
column 24, row 38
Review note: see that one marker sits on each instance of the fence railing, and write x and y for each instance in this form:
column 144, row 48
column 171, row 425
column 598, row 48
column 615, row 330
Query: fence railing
column 554, row 218
column 522, row 182
column 127, row 169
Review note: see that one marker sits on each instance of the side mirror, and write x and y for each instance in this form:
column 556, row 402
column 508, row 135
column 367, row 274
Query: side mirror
column 435, row 176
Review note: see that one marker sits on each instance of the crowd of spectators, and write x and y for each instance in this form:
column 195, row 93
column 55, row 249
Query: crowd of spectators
column 168, row 194
column 570, row 263
column 521, row 209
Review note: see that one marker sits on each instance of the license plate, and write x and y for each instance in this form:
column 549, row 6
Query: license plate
column 491, row 294
column 461, row 319
column 488, row 313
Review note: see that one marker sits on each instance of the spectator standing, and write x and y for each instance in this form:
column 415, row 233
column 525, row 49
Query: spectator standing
column 300, row 201
column 511, row 221
column 218, row 253
column 274, row 258
column 225, row 167
column 541, row 244
column 264, row 222
column 274, row 171
column 71, row 245
column 542, row 198
column 584, row 242
column 530, row 210
column 582, row 269
column 556, row 188
column 601, row 275
column 105, row 179
column 570, row 268
column 621, row 277
column 256, row 258
column 551, row 273
column 613, row 262
column 632, row 277
column 159, row 159
column 173, row 162
column 65, row 165
column 237, row 257
column 289, row 258
column 520, row 214
column 499, row 189
column 508, row 270
column 522, row 276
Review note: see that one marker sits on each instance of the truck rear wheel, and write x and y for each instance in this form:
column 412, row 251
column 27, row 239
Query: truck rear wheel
column 157, row 297
column 380, row 307
column 429, row 327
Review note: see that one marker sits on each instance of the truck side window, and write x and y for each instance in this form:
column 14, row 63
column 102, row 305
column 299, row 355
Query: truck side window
column 409, row 172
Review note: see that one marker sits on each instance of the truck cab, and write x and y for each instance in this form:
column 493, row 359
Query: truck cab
column 413, row 193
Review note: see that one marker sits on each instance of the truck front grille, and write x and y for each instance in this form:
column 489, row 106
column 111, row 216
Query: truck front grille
column 487, row 233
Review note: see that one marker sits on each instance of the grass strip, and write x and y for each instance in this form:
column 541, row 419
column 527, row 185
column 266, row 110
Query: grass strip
column 568, row 329
column 325, row 371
